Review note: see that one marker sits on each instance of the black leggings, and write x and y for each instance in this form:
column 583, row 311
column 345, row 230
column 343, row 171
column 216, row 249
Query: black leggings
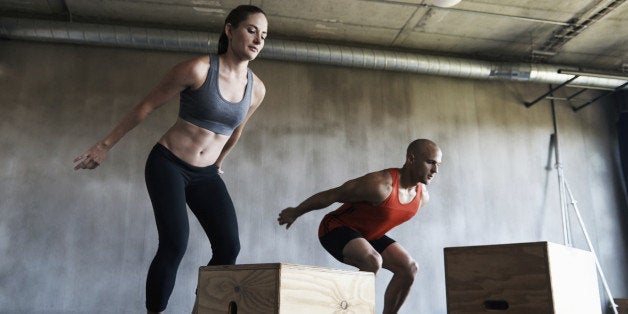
column 171, row 184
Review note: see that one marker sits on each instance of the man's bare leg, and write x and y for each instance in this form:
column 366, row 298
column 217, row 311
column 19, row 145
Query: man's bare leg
column 404, row 269
column 359, row 253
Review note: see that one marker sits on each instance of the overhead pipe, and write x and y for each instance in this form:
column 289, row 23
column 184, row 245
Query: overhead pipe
column 286, row 50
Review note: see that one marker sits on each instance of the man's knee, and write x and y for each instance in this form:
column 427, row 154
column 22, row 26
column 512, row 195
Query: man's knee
column 409, row 270
column 371, row 262
column 414, row 268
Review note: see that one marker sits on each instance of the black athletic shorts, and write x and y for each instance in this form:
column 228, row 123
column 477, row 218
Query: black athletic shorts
column 334, row 241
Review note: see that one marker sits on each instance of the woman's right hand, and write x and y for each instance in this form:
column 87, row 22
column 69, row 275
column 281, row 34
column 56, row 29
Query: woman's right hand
column 91, row 158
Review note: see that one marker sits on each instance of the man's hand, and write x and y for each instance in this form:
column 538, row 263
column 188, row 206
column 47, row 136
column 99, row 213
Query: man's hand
column 288, row 216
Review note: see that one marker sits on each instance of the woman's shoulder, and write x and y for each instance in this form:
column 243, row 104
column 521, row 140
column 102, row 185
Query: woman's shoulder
column 193, row 71
column 202, row 61
column 200, row 64
column 259, row 89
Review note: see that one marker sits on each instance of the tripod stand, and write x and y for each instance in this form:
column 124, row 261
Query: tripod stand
column 566, row 199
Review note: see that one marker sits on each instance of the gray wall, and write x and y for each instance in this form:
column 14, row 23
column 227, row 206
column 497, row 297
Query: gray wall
column 82, row 241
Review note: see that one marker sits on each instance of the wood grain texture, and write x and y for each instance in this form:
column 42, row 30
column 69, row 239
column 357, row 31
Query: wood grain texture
column 252, row 289
column 284, row 288
column 324, row 290
column 538, row 277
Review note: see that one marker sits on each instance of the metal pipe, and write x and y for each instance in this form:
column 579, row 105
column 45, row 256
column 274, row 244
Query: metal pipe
column 594, row 74
column 564, row 191
column 286, row 50
column 561, row 188
column 574, row 204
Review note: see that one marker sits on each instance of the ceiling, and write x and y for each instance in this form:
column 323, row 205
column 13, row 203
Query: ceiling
column 587, row 34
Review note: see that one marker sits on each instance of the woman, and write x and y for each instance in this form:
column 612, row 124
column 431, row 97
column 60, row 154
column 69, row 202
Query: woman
column 218, row 95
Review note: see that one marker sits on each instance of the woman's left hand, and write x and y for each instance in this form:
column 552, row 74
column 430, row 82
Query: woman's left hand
column 91, row 158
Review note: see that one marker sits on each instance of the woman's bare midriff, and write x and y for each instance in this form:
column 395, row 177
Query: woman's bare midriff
column 197, row 146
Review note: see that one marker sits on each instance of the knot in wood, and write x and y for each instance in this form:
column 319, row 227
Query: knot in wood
column 344, row 305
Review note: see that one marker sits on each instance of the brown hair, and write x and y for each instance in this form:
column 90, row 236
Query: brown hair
column 235, row 17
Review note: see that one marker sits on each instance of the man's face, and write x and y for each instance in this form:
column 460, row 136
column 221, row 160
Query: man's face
column 426, row 162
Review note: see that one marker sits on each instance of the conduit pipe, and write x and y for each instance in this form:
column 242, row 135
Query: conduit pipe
column 366, row 58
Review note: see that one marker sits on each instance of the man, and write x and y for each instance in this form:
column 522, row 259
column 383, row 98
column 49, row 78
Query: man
column 355, row 233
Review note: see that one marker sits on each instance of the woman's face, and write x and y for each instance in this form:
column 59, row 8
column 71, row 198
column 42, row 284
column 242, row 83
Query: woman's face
column 247, row 40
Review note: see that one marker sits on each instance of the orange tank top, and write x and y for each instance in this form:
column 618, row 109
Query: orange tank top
column 372, row 222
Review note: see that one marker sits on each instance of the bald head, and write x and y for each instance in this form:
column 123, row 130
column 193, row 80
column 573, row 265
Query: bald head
column 423, row 158
column 420, row 147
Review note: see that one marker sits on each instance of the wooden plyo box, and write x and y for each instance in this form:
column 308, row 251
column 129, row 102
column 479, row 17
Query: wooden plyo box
column 283, row 288
column 539, row 277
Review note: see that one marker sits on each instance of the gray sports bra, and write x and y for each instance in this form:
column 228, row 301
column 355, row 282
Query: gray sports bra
column 205, row 107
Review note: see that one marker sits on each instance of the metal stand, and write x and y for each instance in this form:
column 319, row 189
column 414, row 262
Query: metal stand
column 565, row 191
column 569, row 83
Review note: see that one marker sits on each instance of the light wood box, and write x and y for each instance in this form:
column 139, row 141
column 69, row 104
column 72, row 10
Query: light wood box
column 539, row 277
column 283, row 288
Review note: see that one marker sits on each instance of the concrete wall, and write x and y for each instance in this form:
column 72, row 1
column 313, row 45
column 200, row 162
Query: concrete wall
column 82, row 241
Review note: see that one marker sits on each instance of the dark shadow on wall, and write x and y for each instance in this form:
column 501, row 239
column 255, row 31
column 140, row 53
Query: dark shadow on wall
column 622, row 152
